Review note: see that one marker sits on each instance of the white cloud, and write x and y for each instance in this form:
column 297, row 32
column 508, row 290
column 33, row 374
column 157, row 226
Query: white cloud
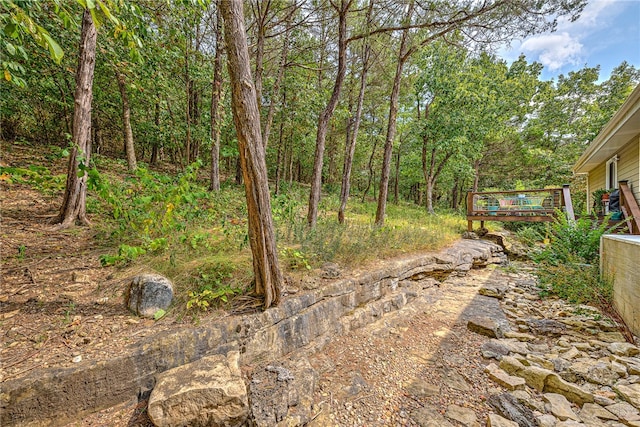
column 554, row 50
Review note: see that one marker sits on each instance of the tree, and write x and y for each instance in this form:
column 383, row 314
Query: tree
column 325, row 115
column 74, row 202
column 268, row 276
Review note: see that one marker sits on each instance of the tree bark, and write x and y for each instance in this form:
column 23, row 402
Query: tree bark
column 126, row 123
column 74, row 202
column 216, row 95
column 246, row 115
column 327, row 113
column 391, row 126
column 350, row 147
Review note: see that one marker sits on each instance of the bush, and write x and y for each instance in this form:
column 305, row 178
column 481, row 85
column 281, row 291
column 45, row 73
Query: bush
column 568, row 266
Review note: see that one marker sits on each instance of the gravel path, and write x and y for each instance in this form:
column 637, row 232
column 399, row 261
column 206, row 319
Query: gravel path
column 411, row 366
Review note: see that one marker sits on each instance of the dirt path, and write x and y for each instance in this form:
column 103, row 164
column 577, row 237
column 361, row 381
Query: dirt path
column 422, row 357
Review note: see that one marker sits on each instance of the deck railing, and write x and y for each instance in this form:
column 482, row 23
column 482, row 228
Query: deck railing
column 629, row 208
column 526, row 205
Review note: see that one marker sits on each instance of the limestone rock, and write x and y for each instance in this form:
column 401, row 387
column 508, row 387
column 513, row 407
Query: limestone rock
column 511, row 365
column 493, row 290
column 494, row 349
column 330, row 270
column 508, row 406
column 555, row 384
column 630, row 393
column 623, row 349
column 148, row 293
column 282, row 394
column 463, row 415
column 546, row 420
column 429, row 416
column 505, row 380
column 535, row 377
column 494, row 420
column 624, row 411
column 209, row 391
column 592, row 410
column 631, row 363
column 560, row 406
column 485, row 326
column 419, row 388
column 547, row 327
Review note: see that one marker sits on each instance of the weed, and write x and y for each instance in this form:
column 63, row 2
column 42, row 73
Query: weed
column 22, row 250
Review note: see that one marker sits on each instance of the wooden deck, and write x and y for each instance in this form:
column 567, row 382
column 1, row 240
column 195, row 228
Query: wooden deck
column 526, row 205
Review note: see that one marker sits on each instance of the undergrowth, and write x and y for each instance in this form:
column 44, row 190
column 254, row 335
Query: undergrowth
column 172, row 224
column 569, row 265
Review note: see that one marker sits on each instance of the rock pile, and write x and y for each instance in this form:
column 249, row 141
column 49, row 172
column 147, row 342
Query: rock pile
column 561, row 365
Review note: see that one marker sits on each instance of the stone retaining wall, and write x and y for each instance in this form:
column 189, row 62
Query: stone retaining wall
column 58, row 396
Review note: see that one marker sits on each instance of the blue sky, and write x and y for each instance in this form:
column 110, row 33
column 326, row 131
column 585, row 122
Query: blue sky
column 607, row 33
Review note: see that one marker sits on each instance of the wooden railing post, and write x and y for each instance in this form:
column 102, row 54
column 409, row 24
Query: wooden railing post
column 469, row 210
column 629, row 207
column 566, row 198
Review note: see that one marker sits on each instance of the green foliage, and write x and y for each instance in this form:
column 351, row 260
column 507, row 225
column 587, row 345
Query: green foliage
column 38, row 177
column 530, row 235
column 568, row 266
column 295, row 259
column 213, row 288
column 577, row 241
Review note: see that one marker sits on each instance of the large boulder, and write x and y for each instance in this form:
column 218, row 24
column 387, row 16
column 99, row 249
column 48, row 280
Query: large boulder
column 207, row 392
column 149, row 293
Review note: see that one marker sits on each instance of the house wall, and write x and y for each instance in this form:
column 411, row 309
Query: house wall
column 629, row 166
column 619, row 260
column 596, row 181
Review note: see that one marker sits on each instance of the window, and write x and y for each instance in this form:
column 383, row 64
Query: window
column 612, row 173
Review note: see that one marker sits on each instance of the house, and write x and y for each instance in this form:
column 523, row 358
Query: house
column 611, row 161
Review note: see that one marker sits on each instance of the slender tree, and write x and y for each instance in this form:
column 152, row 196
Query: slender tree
column 74, row 203
column 268, row 276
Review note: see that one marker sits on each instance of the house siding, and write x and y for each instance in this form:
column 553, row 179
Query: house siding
column 596, row 181
column 629, row 166
column 628, row 169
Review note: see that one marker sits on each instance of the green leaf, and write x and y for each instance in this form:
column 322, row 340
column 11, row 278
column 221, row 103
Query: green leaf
column 55, row 50
column 10, row 48
column 159, row 314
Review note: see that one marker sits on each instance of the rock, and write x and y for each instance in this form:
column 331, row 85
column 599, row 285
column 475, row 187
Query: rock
column 547, row 327
column 555, row 384
column 594, row 372
column 546, row 420
column 624, row 411
column 572, row 353
column 494, row 420
column 596, row 411
column 209, row 391
column 560, row 406
column 493, row 290
column 505, row 380
column 541, row 361
column 330, row 270
column 148, row 293
column 508, row 406
column 463, row 415
column 494, row 349
column 623, row 349
column 535, row 377
column 419, row 388
column 630, row 393
column 452, row 379
column 485, row 326
column 520, row 336
column 282, row 394
column 511, row 365
column 470, row 235
column 429, row 416
column 631, row 363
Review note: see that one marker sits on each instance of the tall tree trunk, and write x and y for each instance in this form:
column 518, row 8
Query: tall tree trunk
column 188, row 82
column 325, row 116
column 155, row 147
column 396, row 181
column 74, row 203
column 276, row 87
column 350, row 147
column 216, row 95
column 126, row 123
column 371, row 172
column 391, row 125
column 282, row 152
column 268, row 277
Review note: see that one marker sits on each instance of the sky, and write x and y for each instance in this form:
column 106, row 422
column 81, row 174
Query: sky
column 607, row 33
